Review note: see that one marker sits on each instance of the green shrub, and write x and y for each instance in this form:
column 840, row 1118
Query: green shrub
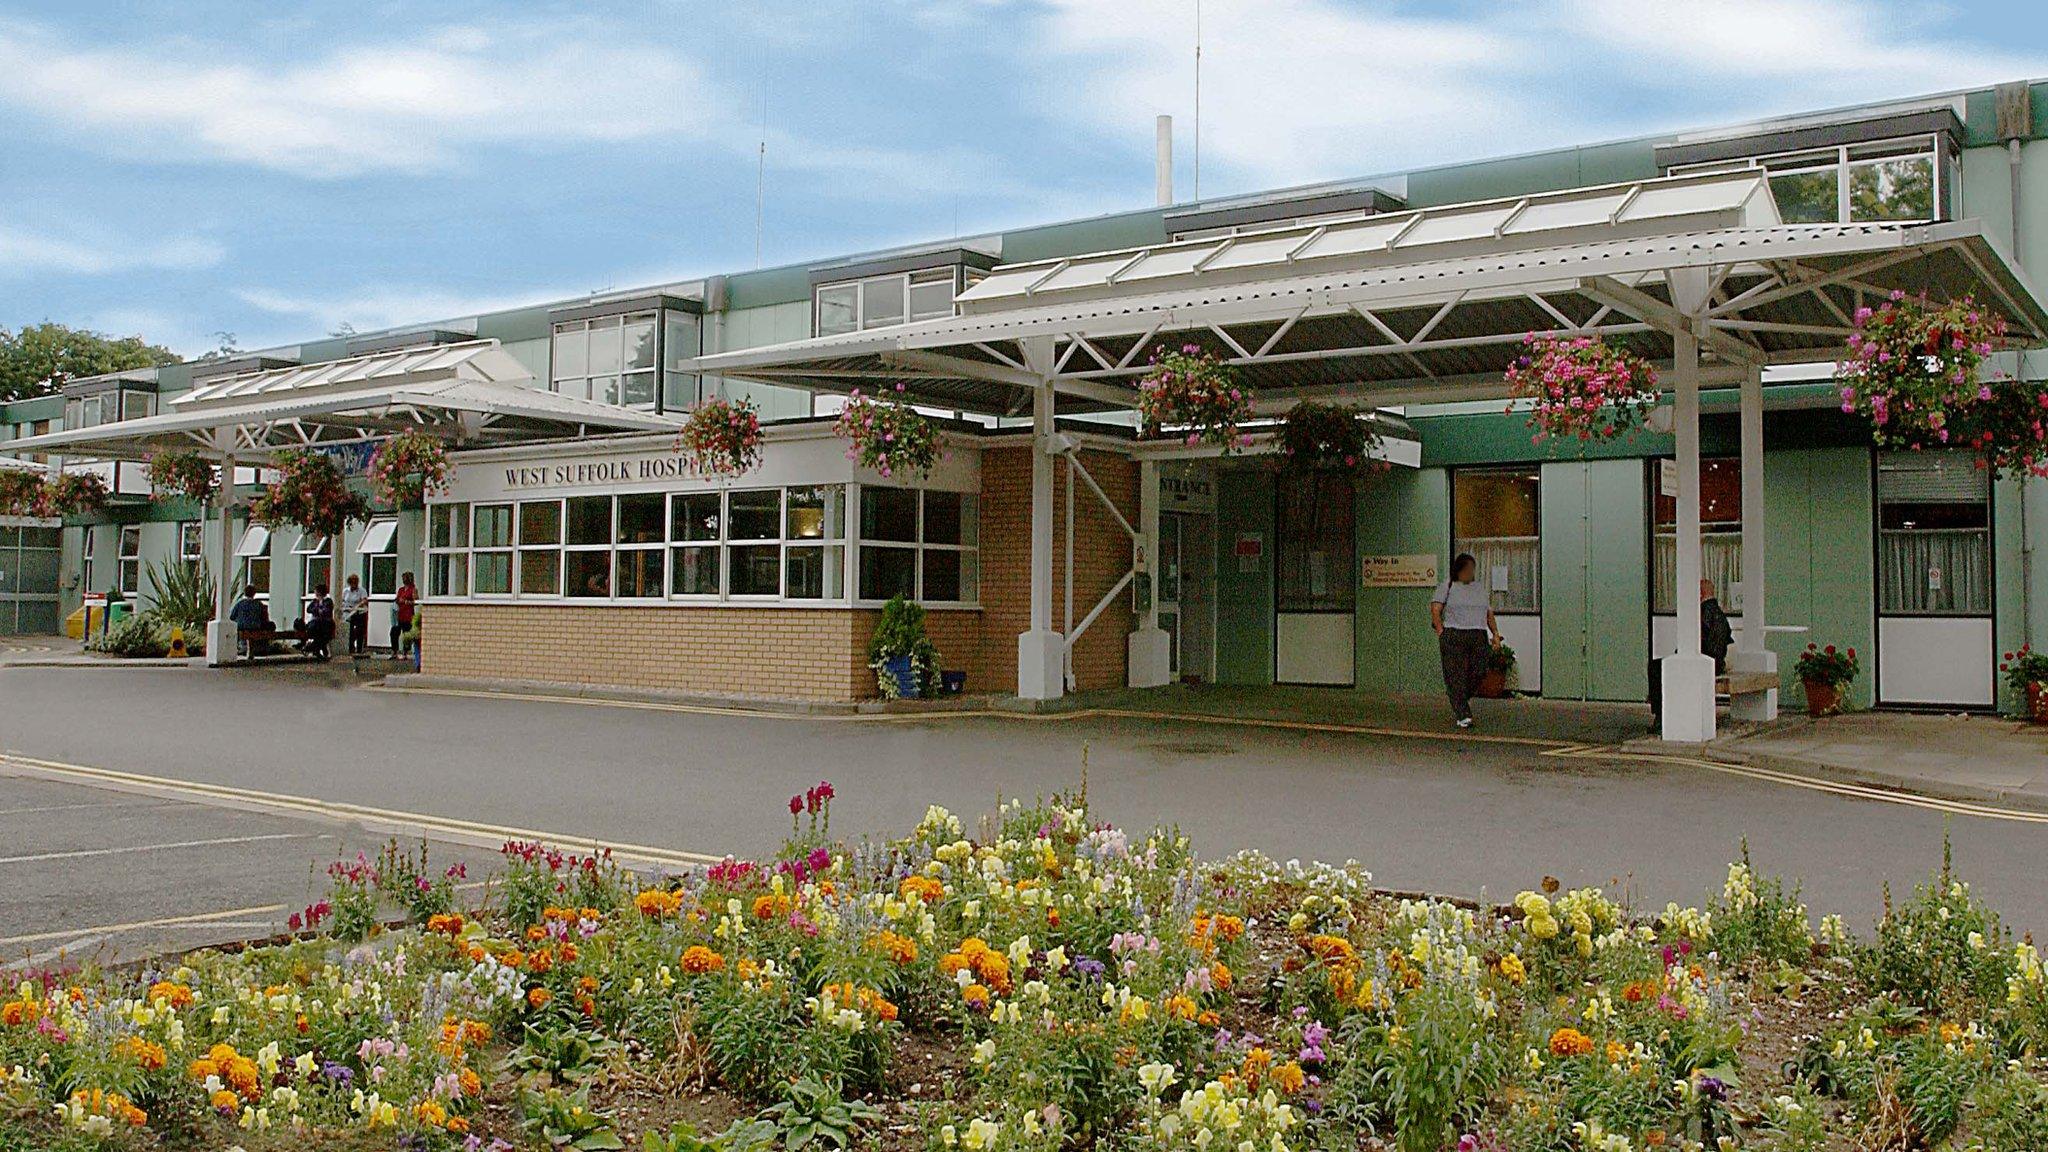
column 181, row 594
column 900, row 632
column 1944, row 950
column 2010, row 1114
column 1755, row 920
column 137, row 636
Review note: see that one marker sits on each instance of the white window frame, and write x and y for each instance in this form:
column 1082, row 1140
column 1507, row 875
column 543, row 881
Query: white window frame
column 906, row 282
column 970, row 527
column 611, row 519
column 379, row 547
column 128, row 561
column 612, row 327
column 311, row 549
column 509, row 550
column 520, row 549
column 191, row 541
column 85, row 558
column 452, row 556
column 620, row 548
column 1844, row 159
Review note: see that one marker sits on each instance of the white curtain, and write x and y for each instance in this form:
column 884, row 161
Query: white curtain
column 1521, row 556
column 1720, row 561
column 1941, row 570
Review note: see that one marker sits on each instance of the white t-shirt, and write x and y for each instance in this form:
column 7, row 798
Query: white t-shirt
column 1465, row 605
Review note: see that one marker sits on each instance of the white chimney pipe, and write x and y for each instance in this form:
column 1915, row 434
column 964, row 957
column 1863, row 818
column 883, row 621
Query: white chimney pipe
column 1163, row 179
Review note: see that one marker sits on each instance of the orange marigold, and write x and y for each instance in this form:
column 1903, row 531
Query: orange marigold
column 1289, row 1078
column 224, row 1101
column 1569, row 1042
column 538, row 997
column 976, row 997
column 1332, row 949
column 697, row 960
column 898, row 948
column 1220, row 976
column 658, row 903
column 170, row 992
column 470, row 1082
column 772, row 906
column 445, row 923
column 924, row 889
column 149, row 1055
column 1180, row 1007
column 15, row 1013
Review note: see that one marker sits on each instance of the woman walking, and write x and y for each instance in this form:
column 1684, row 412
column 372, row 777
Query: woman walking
column 1462, row 614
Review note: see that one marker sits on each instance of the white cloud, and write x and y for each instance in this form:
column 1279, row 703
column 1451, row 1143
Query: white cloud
column 405, row 105
column 25, row 251
column 1301, row 90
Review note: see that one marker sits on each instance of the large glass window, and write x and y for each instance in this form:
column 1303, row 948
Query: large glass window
column 191, row 542
column 314, row 563
column 587, row 562
column 880, row 301
column 921, row 545
column 814, row 562
column 1934, row 534
column 491, row 563
column 1495, row 517
column 1720, row 536
column 1317, row 550
column 643, row 545
column 609, row 359
column 678, row 345
column 379, row 550
column 253, row 552
column 696, row 524
column 447, row 562
column 540, row 548
column 1907, row 179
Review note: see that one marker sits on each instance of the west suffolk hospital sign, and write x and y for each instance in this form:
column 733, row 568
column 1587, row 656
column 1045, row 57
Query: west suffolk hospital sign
column 585, row 473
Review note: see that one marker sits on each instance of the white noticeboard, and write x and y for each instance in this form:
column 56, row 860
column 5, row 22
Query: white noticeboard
column 1500, row 578
column 1667, row 477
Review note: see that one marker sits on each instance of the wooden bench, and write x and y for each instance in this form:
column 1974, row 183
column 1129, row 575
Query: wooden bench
column 255, row 639
column 1733, row 684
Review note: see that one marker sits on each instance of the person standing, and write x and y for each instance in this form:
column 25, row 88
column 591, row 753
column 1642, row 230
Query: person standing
column 1462, row 614
column 355, row 608
column 402, row 613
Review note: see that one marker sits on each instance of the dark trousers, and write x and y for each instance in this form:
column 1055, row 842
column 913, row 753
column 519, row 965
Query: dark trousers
column 1464, row 652
column 398, row 631
column 358, row 634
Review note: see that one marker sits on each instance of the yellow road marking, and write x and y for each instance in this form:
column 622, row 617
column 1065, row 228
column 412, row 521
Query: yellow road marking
column 139, row 925
column 382, row 819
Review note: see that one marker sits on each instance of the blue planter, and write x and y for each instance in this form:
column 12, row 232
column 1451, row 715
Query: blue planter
column 899, row 671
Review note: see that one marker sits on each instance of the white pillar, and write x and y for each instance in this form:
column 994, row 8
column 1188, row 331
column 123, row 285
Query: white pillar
column 1688, row 675
column 1041, row 652
column 220, row 635
column 1149, row 652
column 1750, row 653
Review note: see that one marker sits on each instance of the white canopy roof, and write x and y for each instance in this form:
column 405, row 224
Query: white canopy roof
column 475, row 391
column 1421, row 305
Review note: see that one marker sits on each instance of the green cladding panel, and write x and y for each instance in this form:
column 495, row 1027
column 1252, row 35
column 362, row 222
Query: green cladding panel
column 1400, row 512
column 1244, row 599
column 1596, row 601
column 1819, row 559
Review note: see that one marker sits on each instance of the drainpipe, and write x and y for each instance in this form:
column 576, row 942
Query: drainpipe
column 2015, row 124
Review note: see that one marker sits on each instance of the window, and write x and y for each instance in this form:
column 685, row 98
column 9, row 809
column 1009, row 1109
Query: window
column 609, row 359
column 643, row 544
column 490, row 571
column 130, row 559
column 753, row 554
column 587, row 562
column 447, row 558
column 379, row 550
column 254, row 553
column 85, row 550
column 1317, row 551
column 880, row 301
column 919, row 544
column 1720, row 536
column 191, row 542
column 679, row 342
column 1494, row 516
column 1906, row 179
column 1934, row 534
column 696, row 522
column 108, row 407
column 813, row 560
column 540, row 548
column 315, row 563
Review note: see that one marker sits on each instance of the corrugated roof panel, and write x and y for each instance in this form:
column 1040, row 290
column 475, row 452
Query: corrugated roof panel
column 1449, row 227
column 1006, row 282
column 1250, row 251
column 1656, row 199
column 1084, row 273
column 1582, row 212
column 1351, row 239
column 1176, row 261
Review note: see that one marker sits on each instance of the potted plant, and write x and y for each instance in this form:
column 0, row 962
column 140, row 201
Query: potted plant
column 1584, row 388
column 20, row 489
column 1194, row 392
column 2026, row 672
column 722, row 437
column 1825, row 672
column 70, row 494
column 888, row 436
column 311, row 494
column 180, row 475
column 1318, row 437
column 905, row 661
column 409, row 467
column 1499, row 676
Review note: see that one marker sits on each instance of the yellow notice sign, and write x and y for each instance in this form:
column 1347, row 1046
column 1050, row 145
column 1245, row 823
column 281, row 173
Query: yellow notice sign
column 1417, row 570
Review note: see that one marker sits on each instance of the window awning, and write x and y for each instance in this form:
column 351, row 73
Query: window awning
column 477, row 393
column 377, row 539
column 255, row 542
column 1418, row 306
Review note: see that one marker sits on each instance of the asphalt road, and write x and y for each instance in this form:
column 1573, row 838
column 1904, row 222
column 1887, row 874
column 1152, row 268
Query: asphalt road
column 1453, row 817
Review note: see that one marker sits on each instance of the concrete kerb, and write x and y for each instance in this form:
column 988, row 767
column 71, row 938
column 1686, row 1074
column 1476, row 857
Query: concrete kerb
column 514, row 689
column 1730, row 750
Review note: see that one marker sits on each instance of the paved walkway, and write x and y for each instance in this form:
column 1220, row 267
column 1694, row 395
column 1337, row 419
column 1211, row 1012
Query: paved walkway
column 1966, row 757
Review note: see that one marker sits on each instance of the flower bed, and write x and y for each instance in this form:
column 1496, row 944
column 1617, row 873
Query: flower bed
column 1052, row 982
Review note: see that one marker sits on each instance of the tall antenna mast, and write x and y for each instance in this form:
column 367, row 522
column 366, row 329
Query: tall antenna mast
column 1198, row 99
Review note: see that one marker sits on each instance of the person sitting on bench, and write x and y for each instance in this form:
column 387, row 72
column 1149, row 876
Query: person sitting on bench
column 249, row 613
column 319, row 624
column 1716, row 637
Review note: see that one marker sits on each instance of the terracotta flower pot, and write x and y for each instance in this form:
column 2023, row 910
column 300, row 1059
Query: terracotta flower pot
column 2037, row 702
column 1822, row 699
column 1493, row 684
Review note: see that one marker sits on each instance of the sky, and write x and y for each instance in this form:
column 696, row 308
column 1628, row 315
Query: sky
column 180, row 169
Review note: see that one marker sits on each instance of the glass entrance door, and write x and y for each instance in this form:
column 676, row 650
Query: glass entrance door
column 1187, row 592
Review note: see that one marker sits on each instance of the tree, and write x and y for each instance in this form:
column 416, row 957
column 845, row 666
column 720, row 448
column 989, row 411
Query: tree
column 38, row 359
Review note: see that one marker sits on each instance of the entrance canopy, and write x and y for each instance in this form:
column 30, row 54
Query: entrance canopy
column 475, row 391
column 1418, row 306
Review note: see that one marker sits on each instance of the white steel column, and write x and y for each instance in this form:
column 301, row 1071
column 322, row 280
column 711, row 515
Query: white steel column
column 1041, row 652
column 220, row 635
column 1688, row 676
column 1751, row 655
column 1148, row 653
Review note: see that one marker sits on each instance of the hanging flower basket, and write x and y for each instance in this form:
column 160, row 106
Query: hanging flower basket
column 1198, row 396
column 410, row 467
column 71, row 494
column 722, row 438
column 1585, row 389
column 1319, row 437
column 181, row 475
column 888, row 436
column 310, row 494
column 1914, row 369
column 20, row 488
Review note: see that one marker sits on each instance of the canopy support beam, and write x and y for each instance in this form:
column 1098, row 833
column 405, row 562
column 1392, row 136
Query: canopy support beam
column 1750, row 653
column 220, row 633
column 1041, row 652
column 1688, row 675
